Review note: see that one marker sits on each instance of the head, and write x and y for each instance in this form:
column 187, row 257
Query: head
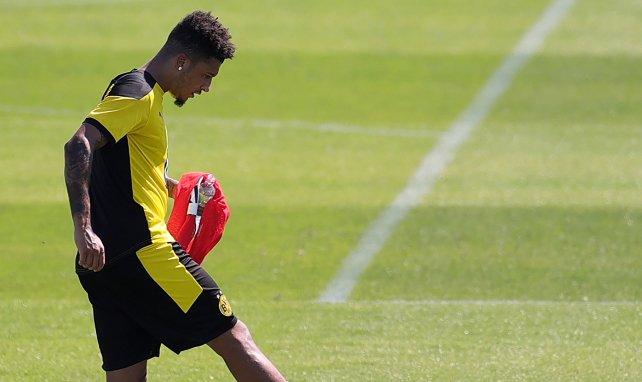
column 195, row 49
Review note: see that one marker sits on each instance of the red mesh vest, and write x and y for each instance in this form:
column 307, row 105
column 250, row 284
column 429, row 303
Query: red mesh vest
column 198, row 231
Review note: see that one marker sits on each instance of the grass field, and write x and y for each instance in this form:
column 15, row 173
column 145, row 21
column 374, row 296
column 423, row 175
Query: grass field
column 524, row 263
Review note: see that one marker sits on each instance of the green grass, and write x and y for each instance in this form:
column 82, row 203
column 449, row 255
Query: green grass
column 548, row 342
column 523, row 264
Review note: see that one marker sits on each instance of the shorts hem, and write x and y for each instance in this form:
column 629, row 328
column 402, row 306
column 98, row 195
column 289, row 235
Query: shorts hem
column 123, row 365
column 218, row 333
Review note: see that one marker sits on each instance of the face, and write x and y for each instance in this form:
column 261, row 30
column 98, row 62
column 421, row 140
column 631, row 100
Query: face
column 194, row 78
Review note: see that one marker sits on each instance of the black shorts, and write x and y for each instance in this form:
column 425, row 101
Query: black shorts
column 156, row 295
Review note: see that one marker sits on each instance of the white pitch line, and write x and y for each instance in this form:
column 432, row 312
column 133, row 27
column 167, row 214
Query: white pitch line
column 436, row 160
column 320, row 127
column 253, row 123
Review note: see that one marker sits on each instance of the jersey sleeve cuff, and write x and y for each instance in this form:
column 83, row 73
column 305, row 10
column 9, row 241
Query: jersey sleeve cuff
column 103, row 130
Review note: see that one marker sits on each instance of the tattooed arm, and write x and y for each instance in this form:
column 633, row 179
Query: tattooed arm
column 78, row 157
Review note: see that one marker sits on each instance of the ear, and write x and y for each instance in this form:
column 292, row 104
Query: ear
column 181, row 62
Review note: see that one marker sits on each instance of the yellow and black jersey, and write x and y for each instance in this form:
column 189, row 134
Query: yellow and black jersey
column 127, row 188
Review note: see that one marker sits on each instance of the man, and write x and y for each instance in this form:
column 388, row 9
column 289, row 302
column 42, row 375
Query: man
column 144, row 289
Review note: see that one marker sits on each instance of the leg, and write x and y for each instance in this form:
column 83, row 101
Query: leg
column 125, row 346
column 244, row 359
column 133, row 373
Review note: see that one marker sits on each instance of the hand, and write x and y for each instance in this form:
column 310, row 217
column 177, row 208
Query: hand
column 91, row 250
column 171, row 184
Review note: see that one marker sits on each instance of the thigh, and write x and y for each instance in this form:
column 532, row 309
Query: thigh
column 122, row 341
column 172, row 297
column 133, row 373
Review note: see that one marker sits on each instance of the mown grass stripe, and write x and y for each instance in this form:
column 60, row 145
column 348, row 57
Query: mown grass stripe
column 497, row 302
column 436, row 160
column 62, row 3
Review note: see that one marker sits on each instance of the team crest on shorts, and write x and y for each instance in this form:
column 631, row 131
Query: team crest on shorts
column 224, row 305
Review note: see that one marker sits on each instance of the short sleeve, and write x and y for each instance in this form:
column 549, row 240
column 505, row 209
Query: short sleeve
column 117, row 116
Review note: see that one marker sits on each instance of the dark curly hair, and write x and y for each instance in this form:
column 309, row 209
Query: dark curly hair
column 201, row 36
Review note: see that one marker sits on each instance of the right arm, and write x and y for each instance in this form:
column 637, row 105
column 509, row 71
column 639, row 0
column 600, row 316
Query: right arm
column 78, row 157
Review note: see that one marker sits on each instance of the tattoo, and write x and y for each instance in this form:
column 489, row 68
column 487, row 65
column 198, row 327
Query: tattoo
column 100, row 142
column 78, row 158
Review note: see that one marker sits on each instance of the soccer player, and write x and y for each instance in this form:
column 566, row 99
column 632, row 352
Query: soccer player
column 144, row 289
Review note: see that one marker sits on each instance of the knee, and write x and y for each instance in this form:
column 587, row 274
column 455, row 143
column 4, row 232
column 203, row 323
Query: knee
column 241, row 336
column 134, row 373
column 241, row 332
column 237, row 339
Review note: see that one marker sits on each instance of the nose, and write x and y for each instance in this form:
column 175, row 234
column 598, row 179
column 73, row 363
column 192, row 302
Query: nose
column 206, row 86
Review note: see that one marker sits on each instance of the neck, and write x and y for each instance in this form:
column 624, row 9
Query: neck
column 156, row 67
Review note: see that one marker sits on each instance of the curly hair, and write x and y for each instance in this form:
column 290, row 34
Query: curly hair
column 201, row 36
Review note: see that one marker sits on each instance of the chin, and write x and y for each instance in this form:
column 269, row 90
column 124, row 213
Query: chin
column 179, row 102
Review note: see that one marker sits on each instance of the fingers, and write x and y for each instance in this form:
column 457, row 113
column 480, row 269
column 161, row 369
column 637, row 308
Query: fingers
column 82, row 259
column 101, row 261
column 91, row 250
column 92, row 258
column 98, row 261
